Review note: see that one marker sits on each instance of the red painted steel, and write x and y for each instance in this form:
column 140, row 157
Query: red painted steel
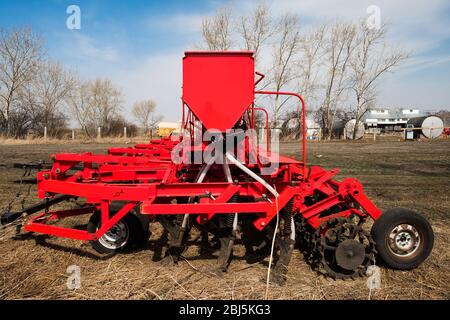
column 218, row 89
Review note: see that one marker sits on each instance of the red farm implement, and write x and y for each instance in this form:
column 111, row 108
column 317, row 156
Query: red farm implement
column 216, row 178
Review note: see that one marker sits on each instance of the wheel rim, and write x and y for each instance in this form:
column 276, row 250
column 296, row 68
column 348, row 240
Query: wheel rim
column 116, row 237
column 404, row 240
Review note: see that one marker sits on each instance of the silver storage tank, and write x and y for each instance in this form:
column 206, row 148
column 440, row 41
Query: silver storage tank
column 350, row 128
column 431, row 126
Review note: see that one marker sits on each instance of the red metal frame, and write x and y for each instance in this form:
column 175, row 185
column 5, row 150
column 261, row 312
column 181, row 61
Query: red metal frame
column 145, row 176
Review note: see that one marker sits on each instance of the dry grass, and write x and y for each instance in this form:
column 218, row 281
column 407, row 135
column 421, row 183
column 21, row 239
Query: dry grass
column 413, row 175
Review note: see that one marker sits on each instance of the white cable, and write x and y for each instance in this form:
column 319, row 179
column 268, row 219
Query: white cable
column 272, row 249
column 276, row 195
column 292, row 228
column 241, row 166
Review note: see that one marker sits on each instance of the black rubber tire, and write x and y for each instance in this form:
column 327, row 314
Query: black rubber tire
column 137, row 228
column 387, row 222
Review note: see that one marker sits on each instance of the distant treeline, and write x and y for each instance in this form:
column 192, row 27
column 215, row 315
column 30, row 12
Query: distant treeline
column 36, row 92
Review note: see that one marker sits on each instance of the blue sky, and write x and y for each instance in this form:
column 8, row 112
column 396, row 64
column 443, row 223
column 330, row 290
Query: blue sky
column 139, row 44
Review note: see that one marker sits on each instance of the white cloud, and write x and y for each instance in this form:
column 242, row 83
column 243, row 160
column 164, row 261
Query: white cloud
column 418, row 25
column 422, row 93
column 178, row 24
column 157, row 77
column 85, row 47
column 418, row 63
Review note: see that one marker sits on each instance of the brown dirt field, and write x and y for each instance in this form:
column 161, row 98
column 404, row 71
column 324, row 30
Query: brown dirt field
column 405, row 174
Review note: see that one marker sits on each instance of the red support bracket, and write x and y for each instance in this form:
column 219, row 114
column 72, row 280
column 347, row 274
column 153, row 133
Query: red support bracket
column 109, row 222
column 223, row 198
column 284, row 197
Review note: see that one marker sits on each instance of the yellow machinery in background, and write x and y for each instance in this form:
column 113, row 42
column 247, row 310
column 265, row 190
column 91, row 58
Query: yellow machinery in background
column 165, row 129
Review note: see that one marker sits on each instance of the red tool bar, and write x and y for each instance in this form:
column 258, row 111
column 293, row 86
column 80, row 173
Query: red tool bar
column 69, row 157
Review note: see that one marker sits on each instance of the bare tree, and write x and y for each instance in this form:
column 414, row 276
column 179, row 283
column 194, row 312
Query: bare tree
column 371, row 60
column 96, row 104
column 256, row 29
column 327, row 64
column 286, row 47
column 105, row 103
column 144, row 112
column 216, row 31
column 307, row 66
column 51, row 88
column 23, row 116
column 79, row 106
column 309, row 61
column 339, row 47
column 20, row 53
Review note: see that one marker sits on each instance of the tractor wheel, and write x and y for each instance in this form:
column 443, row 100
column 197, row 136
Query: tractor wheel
column 130, row 232
column 404, row 238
